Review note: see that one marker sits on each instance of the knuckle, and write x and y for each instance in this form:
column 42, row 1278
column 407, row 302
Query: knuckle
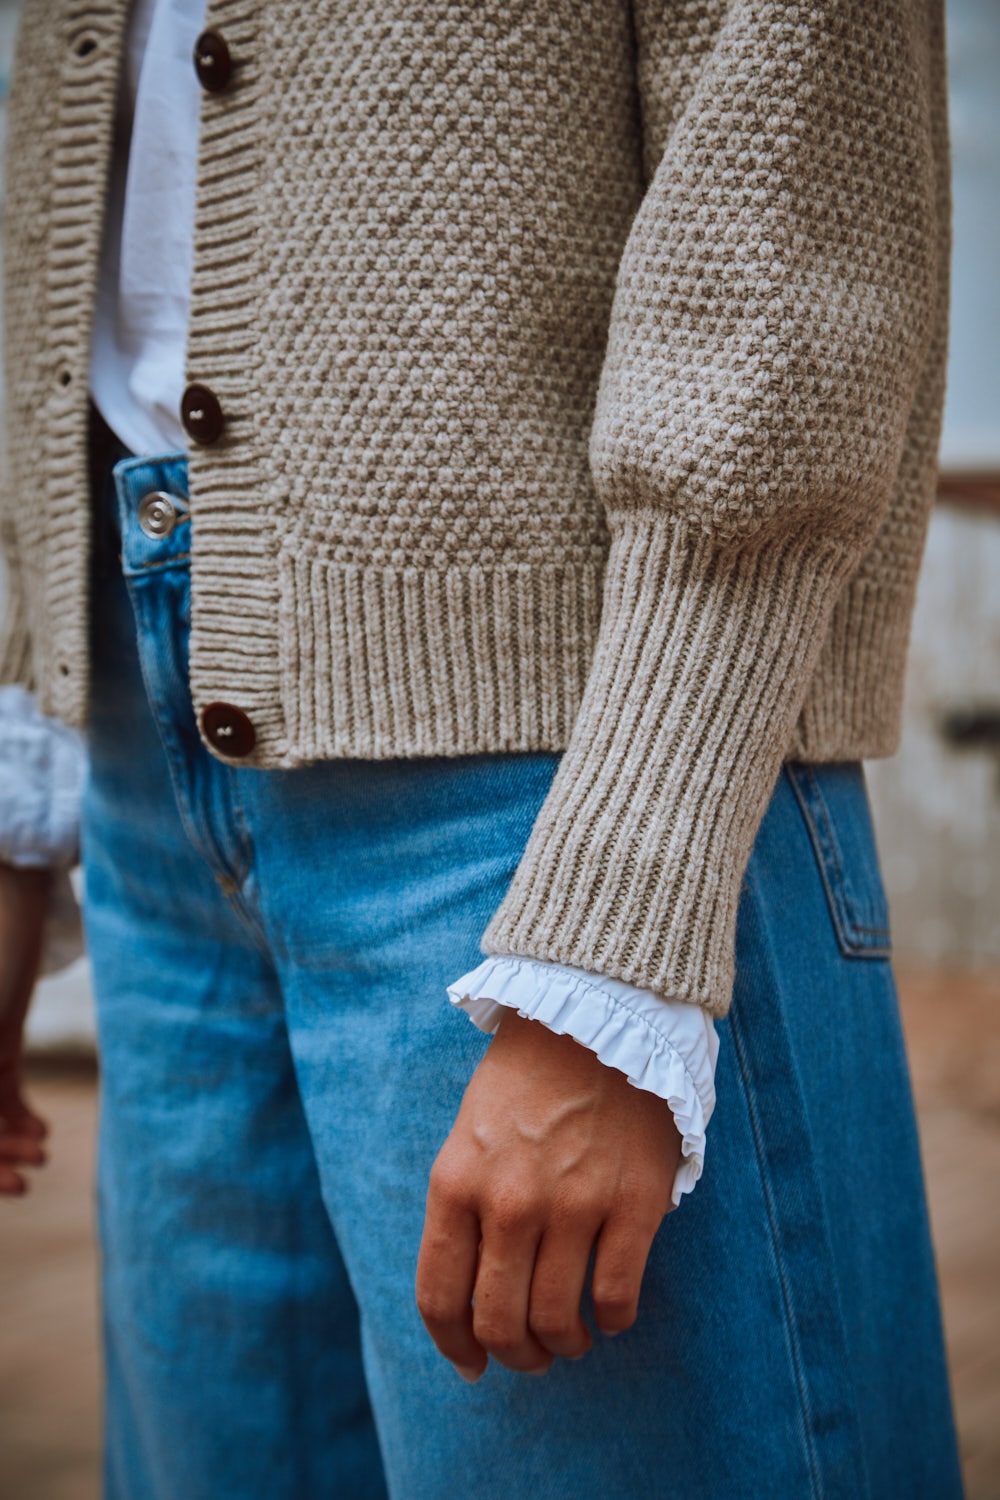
column 509, row 1213
column 615, row 1305
column 435, row 1310
column 499, row 1338
column 578, row 1210
column 446, row 1179
column 554, row 1323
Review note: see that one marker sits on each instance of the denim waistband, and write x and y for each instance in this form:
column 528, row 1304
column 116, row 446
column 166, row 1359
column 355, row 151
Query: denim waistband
column 153, row 515
column 140, row 504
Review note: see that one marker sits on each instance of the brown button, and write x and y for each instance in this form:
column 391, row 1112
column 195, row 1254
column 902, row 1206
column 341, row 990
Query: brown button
column 228, row 729
column 201, row 413
column 212, row 62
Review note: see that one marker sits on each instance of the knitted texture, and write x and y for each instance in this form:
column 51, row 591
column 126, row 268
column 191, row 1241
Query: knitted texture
column 582, row 375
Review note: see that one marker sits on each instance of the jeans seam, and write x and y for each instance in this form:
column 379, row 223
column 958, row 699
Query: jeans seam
column 159, row 718
column 175, row 764
column 243, row 828
column 816, row 1480
column 814, row 808
column 245, row 910
column 157, row 564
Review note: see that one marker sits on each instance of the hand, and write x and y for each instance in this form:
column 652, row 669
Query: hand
column 23, row 903
column 550, row 1151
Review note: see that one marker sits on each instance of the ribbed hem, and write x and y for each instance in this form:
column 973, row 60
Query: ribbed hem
column 634, row 864
column 854, row 707
column 626, row 1029
column 381, row 662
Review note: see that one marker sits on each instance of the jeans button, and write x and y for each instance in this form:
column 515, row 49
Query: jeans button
column 157, row 513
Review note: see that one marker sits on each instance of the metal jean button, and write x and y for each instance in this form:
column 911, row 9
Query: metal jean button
column 157, row 513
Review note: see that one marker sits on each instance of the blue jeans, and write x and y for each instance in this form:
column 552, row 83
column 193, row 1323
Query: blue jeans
column 281, row 1064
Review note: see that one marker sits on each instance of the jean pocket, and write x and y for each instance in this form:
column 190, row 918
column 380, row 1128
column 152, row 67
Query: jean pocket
column 834, row 803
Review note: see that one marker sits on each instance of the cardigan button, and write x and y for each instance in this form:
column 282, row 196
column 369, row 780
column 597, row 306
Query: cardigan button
column 201, row 414
column 212, row 62
column 228, row 729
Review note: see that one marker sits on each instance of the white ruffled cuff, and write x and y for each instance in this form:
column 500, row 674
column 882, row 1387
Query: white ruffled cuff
column 42, row 769
column 666, row 1046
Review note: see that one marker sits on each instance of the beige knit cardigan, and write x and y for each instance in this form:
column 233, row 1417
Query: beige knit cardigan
column 581, row 367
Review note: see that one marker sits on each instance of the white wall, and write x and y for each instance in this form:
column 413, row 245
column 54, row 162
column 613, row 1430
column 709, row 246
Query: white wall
column 972, row 412
column 938, row 809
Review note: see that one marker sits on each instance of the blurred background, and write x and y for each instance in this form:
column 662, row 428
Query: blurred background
column 937, row 810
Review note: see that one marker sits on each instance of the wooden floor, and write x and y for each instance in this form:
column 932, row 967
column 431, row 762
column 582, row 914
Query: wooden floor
column 953, row 1033
column 49, row 1401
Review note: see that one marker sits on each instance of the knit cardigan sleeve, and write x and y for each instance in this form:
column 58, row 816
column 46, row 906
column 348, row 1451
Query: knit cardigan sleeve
column 773, row 308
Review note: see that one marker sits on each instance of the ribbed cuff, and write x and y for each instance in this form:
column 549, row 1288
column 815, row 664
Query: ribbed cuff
column 634, row 864
column 854, row 706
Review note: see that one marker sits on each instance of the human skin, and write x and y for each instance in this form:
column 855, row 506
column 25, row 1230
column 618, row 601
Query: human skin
column 23, row 902
column 551, row 1151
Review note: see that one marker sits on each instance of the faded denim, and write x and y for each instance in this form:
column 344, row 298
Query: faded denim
column 281, row 1064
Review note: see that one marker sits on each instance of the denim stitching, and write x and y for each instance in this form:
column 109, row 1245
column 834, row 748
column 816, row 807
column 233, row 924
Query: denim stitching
column 831, row 859
column 162, row 719
column 240, row 818
column 822, row 831
column 882, row 931
column 176, row 765
column 837, row 858
column 158, row 564
column 786, row 1296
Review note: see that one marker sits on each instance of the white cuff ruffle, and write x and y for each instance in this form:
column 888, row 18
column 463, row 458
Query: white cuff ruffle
column 666, row 1046
column 42, row 768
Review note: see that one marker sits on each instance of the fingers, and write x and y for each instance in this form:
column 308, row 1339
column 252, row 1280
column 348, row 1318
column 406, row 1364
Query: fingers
column 446, row 1276
column 17, row 1151
column 522, row 1303
column 500, row 1286
column 12, row 1184
column 23, row 1121
column 21, row 1134
column 622, row 1251
column 557, row 1288
column 503, row 1289
column 21, row 1150
column 17, row 1117
column 32, row 1125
